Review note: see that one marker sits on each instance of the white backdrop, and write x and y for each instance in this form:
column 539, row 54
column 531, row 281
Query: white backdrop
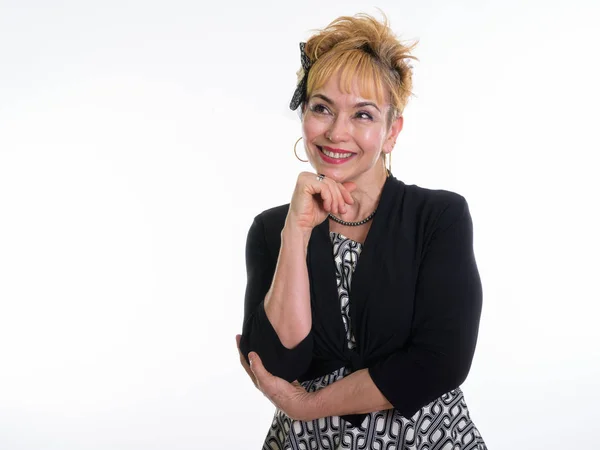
column 138, row 140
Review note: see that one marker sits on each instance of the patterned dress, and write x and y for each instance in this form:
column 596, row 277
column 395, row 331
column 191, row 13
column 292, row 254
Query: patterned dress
column 443, row 424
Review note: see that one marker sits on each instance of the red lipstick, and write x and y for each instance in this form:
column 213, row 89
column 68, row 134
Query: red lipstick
column 339, row 151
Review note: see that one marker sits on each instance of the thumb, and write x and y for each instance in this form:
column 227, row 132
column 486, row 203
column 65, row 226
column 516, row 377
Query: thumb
column 349, row 185
column 255, row 363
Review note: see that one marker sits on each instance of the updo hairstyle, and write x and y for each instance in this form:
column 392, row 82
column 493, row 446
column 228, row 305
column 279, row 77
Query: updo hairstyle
column 365, row 50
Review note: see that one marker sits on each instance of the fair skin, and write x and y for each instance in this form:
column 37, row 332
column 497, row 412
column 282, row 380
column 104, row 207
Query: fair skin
column 348, row 122
column 345, row 136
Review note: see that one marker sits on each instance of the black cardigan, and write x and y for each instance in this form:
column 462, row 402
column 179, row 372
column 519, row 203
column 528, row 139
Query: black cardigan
column 415, row 301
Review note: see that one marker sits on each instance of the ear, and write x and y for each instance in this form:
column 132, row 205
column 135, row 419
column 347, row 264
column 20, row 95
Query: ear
column 393, row 133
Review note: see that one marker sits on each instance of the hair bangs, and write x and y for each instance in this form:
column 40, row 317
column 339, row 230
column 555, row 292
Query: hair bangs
column 355, row 69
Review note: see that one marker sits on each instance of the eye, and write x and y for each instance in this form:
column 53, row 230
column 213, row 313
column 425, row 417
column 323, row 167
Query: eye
column 364, row 115
column 319, row 108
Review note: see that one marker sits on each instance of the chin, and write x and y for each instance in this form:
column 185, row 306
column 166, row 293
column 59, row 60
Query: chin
column 339, row 176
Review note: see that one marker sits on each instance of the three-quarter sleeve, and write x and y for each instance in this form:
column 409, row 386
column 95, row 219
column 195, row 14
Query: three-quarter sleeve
column 445, row 322
column 258, row 333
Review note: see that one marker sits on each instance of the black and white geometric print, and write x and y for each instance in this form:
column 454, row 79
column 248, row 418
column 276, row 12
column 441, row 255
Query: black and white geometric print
column 345, row 254
column 444, row 424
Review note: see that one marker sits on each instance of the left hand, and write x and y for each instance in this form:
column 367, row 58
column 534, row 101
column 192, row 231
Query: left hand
column 291, row 398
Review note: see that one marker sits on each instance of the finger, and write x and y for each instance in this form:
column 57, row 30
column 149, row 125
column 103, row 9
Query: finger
column 335, row 203
column 262, row 375
column 341, row 199
column 350, row 186
column 238, row 338
column 248, row 370
column 326, row 196
column 323, row 186
column 346, row 189
column 244, row 362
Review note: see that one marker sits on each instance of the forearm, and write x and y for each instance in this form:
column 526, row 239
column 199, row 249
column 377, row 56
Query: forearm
column 287, row 304
column 354, row 394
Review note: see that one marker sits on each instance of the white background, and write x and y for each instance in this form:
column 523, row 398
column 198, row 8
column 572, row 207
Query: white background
column 139, row 139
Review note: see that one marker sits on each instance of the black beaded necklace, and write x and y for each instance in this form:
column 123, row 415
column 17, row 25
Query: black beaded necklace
column 360, row 222
column 352, row 224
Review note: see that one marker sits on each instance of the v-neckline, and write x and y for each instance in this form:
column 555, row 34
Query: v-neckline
column 345, row 238
column 322, row 265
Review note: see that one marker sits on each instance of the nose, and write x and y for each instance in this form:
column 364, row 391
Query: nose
column 339, row 130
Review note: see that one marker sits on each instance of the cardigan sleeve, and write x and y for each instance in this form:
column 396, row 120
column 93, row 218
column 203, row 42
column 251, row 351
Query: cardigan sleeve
column 258, row 334
column 445, row 322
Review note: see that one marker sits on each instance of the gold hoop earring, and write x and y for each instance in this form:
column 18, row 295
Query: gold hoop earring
column 387, row 163
column 295, row 153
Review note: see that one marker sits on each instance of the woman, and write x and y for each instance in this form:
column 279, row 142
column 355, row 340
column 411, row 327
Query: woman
column 363, row 297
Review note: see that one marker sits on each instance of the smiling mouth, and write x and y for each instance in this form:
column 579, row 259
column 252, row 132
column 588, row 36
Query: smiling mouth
column 334, row 154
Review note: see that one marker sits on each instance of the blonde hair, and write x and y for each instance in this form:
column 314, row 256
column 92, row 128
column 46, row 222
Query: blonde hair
column 362, row 49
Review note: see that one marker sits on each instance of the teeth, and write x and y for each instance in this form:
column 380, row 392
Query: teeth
column 337, row 155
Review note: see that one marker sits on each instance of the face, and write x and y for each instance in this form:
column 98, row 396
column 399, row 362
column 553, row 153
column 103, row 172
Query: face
column 345, row 134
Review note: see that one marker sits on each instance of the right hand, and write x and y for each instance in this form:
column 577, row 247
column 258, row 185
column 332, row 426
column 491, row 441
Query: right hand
column 313, row 200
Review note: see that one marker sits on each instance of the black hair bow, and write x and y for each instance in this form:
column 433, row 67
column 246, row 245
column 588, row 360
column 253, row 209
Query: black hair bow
column 300, row 92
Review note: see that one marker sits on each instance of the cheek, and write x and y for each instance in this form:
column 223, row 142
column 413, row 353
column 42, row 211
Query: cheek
column 312, row 127
column 371, row 138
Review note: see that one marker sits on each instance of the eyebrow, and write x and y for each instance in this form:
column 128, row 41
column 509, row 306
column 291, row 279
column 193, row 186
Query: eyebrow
column 358, row 105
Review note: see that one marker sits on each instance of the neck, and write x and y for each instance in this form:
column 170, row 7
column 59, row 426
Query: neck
column 367, row 193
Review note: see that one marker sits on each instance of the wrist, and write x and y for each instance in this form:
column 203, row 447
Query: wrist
column 292, row 233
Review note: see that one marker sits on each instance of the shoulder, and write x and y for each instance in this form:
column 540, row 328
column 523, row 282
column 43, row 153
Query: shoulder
column 434, row 199
column 273, row 219
column 434, row 207
column 267, row 227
